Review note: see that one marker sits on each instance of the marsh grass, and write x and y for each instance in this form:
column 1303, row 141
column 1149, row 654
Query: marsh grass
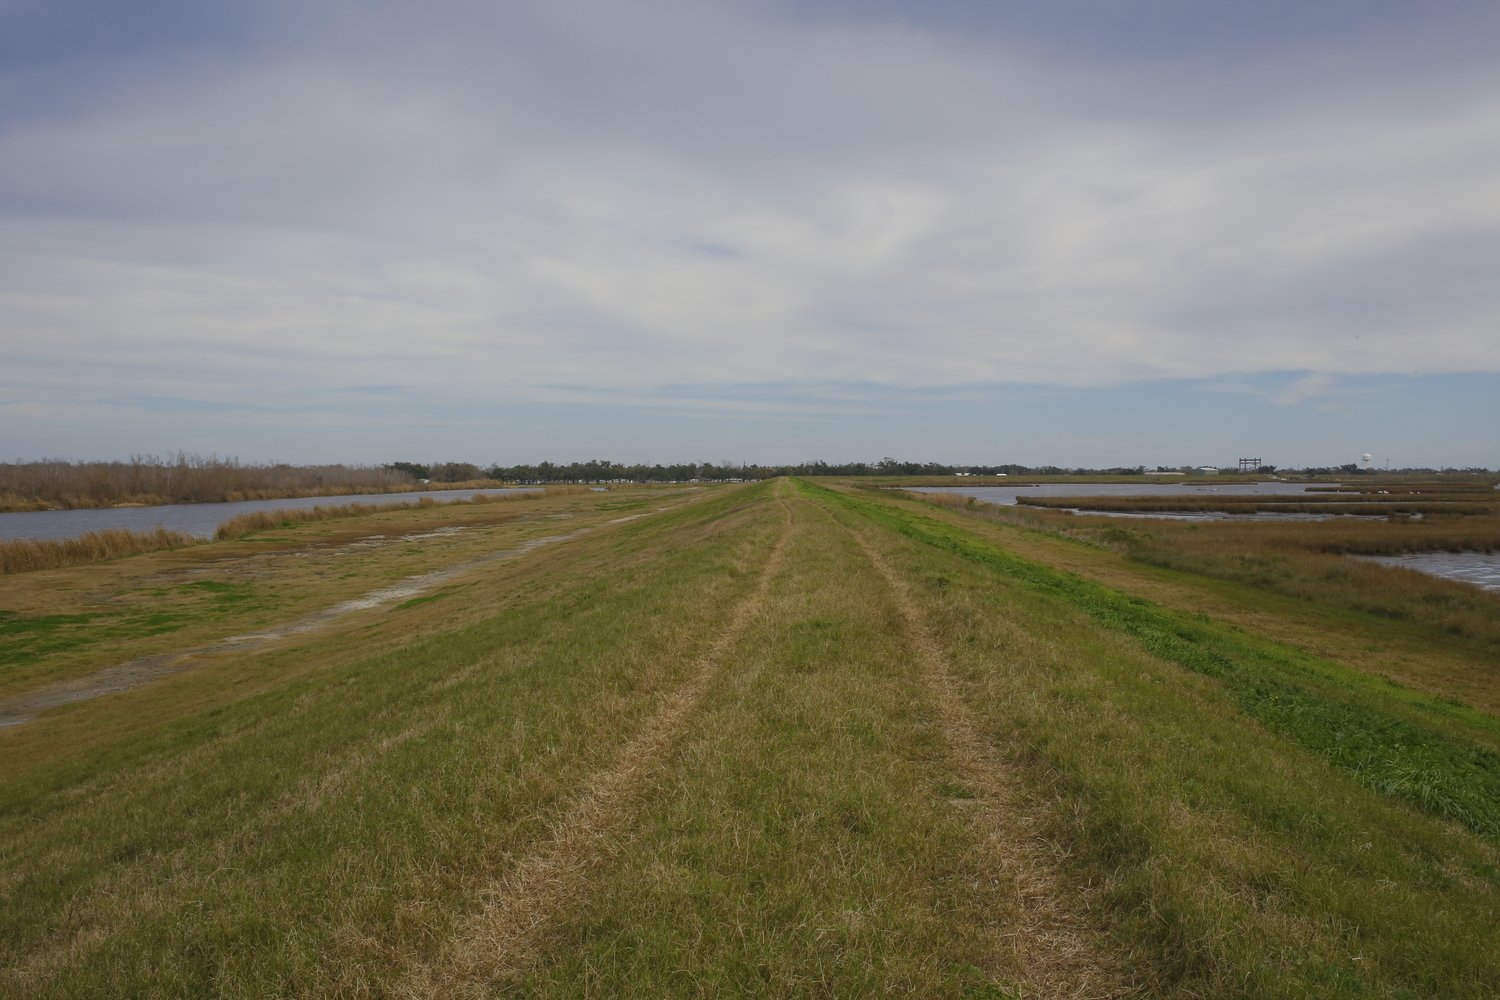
column 26, row 555
column 1409, row 487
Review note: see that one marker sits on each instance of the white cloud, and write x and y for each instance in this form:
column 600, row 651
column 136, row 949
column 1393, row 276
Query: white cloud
column 620, row 198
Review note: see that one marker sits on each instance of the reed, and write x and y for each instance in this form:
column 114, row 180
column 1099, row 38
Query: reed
column 25, row 555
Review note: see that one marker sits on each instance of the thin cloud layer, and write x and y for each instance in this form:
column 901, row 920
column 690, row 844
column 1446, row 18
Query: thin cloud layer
column 665, row 201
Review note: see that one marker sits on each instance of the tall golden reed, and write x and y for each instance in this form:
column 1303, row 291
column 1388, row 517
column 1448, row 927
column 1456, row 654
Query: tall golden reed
column 23, row 555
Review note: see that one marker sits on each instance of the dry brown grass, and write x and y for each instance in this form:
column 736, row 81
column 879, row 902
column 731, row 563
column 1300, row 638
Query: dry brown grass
column 25, row 555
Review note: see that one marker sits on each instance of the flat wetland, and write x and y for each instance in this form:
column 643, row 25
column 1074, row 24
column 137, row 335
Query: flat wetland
column 800, row 738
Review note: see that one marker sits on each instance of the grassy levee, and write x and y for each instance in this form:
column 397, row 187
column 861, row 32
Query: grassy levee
column 1256, row 821
column 319, row 837
column 803, row 840
column 710, row 752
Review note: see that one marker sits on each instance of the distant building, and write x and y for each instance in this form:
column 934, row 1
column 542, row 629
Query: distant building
column 1206, row 470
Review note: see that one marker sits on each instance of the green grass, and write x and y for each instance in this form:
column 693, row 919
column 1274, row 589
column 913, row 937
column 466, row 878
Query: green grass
column 28, row 638
column 1340, row 714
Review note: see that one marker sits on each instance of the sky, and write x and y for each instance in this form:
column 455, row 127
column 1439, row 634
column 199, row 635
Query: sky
column 1079, row 232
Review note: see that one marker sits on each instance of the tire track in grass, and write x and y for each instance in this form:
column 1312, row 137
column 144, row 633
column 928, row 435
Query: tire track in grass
column 501, row 940
column 1059, row 955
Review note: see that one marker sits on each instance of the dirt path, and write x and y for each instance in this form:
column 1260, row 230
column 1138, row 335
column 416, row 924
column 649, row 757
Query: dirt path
column 500, row 941
column 1059, row 954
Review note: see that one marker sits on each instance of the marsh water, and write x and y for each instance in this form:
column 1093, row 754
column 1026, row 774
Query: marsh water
column 200, row 519
column 1482, row 569
column 1479, row 568
column 1008, row 494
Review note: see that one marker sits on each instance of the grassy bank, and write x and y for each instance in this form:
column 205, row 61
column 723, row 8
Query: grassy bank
column 767, row 740
column 1301, row 559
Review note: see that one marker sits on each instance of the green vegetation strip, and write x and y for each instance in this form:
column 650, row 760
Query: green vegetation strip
column 1450, row 777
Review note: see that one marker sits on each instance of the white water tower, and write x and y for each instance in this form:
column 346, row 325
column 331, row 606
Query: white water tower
column 1364, row 460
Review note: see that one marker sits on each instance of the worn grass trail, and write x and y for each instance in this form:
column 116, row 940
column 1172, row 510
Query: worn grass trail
column 499, row 941
column 1058, row 953
column 813, row 833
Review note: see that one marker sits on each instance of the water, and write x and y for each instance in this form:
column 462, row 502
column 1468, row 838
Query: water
column 1007, row 495
column 1482, row 569
column 200, row 519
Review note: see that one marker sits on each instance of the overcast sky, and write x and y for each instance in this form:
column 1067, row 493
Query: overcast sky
column 1091, row 232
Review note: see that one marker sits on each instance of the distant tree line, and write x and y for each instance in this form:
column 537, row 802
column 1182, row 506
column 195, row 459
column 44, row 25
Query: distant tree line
column 604, row 471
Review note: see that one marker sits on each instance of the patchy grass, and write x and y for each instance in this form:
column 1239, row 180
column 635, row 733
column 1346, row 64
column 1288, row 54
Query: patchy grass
column 27, row 555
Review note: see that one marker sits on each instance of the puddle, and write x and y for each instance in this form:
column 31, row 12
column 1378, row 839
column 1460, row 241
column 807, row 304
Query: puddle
column 1482, row 569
